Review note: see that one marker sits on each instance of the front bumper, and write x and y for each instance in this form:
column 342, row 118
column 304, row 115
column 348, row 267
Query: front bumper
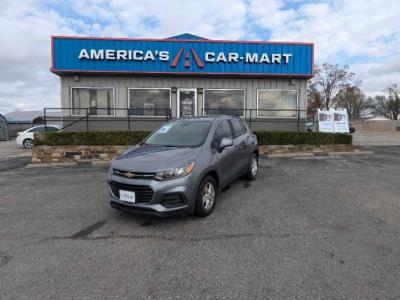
column 184, row 189
column 145, row 209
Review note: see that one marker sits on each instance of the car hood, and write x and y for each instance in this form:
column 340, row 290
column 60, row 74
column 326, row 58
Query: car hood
column 153, row 158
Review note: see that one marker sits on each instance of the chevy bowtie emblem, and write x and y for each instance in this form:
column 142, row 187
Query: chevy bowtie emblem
column 197, row 59
column 129, row 174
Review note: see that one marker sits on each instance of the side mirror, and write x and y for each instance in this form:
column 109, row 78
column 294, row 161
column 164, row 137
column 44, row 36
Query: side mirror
column 225, row 142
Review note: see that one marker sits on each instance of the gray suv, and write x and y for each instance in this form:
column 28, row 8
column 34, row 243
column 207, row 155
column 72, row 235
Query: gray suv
column 181, row 166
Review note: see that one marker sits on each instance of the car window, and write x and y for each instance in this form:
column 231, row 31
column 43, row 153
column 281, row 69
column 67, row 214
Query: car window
column 223, row 130
column 36, row 129
column 244, row 125
column 238, row 127
column 180, row 134
column 51, row 128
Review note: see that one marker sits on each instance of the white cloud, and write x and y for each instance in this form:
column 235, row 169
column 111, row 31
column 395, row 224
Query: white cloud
column 376, row 76
column 343, row 31
column 26, row 27
column 270, row 13
column 25, row 80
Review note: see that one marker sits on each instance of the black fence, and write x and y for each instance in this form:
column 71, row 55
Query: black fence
column 131, row 118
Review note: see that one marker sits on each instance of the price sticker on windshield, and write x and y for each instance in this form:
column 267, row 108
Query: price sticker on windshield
column 165, row 128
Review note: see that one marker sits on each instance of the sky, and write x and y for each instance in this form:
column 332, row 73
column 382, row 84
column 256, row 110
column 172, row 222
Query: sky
column 362, row 34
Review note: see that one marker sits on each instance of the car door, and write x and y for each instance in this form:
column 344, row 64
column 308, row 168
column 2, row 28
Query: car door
column 223, row 160
column 240, row 144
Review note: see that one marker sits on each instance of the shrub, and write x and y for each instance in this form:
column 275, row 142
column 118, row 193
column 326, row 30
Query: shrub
column 108, row 138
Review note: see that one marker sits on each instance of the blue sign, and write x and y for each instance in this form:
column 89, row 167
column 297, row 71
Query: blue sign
column 181, row 56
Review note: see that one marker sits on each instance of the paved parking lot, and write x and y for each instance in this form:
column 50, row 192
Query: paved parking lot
column 308, row 228
column 384, row 138
column 12, row 156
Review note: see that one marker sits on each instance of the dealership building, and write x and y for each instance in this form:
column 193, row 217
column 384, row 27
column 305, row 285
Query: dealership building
column 136, row 83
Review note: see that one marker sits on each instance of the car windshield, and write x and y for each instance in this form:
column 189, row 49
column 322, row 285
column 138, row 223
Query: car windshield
column 180, row 134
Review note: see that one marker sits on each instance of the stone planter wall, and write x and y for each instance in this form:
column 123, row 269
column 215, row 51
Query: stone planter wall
column 66, row 154
column 62, row 154
column 287, row 149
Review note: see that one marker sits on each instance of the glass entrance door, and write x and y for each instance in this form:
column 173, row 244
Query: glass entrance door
column 187, row 103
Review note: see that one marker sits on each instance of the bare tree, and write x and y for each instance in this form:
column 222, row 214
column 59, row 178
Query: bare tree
column 314, row 101
column 328, row 81
column 387, row 105
column 352, row 99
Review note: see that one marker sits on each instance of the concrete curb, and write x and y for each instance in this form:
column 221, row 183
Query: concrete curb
column 317, row 154
column 44, row 165
column 289, row 155
column 70, row 164
column 102, row 163
column 360, row 152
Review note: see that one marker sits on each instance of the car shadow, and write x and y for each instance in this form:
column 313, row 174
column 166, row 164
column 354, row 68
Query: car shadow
column 149, row 220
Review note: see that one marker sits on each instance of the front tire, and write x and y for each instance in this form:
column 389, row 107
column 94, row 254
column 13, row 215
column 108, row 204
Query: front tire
column 28, row 143
column 253, row 167
column 206, row 197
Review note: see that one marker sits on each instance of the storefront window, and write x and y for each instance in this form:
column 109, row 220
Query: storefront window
column 149, row 102
column 224, row 102
column 95, row 101
column 277, row 104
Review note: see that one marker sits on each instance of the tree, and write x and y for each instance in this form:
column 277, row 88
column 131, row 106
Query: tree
column 387, row 105
column 314, row 101
column 328, row 81
column 352, row 99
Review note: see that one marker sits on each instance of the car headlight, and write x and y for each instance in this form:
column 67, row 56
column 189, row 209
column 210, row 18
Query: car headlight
column 181, row 171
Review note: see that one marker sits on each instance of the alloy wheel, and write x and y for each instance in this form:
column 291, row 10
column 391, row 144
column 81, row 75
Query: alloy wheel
column 28, row 143
column 208, row 195
column 254, row 166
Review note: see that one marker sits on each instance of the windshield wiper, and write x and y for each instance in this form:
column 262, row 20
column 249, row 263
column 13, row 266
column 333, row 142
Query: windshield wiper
column 176, row 146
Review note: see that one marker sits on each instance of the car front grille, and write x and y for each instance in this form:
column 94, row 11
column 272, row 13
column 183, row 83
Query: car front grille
column 136, row 175
column 143, row 193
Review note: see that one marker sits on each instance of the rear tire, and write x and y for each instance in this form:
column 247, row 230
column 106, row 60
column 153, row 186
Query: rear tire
column 253, row 167
column 28, row 143
column 206, row 197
